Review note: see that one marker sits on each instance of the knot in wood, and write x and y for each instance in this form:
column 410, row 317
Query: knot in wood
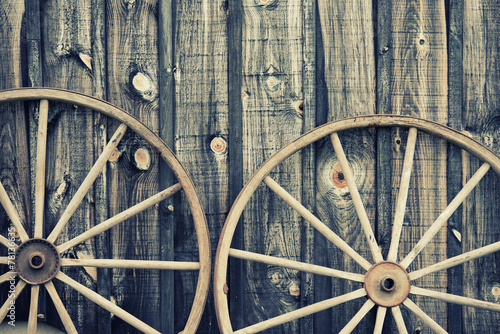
column 218, row 145
column 142, row 159
column 338, row 177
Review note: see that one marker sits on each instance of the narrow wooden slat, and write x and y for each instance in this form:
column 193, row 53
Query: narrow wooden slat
column 302, row 312
column 398, row 318
column 425, row 318
column 4, row 260
column 7, row 276
column 122, row 216
column 4, row 241
column 61, row 310
column 369, row 304
column 136, row 264
column 87, row 183
column 402, row 195
column 12, row 213
column 456, row 260
column 41, row 157
column 450, row 209
column 356, row 198
column 319, row 225
column 13, row 296
column 106, row 304
column 33, row 314
column 310, row 268
column 379, row 321
column 449, row 298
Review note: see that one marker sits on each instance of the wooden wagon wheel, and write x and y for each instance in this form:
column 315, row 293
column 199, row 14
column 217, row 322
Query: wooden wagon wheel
column 37, row 259
column 387, row 283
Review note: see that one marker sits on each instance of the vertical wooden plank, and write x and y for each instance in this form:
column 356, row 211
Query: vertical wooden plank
column 419, row 88
column 132, row 63
column 349, row 72
column 201, row 130
column 481, row 74
column 272, row 58
column 66, row 28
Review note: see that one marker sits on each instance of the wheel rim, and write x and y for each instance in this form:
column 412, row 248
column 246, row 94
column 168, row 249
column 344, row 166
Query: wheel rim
column 39, row 259
column 387, row 283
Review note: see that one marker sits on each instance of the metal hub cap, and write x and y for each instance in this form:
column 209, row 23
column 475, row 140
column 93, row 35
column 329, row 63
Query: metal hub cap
column 387, row 284
column 37, row 261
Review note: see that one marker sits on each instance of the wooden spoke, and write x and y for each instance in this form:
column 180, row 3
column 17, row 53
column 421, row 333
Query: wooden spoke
column 356, row 198
column 302, row 312
column 12, row 297
column 61, row 310
column 456, row 260
column 40, row 167
column 4, row 241
column 121, row 217
column 450, row 209
column 449, row 298
column 4, row 260
column 422, row 315
column 318, row 224
column 7, row 276
column 87, row 183
column 136, row 264
column 12, row 213
column 402, row 195
column 106, row 304
column 379, row 321
column 306, row 267
column 33, row 315
column 369, row 304
column 398, row 318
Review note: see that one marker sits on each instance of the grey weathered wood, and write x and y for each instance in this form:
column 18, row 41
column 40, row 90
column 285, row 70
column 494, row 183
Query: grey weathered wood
column 481, row 107
column 419, row 75
column 347, row 38
column 272, row 61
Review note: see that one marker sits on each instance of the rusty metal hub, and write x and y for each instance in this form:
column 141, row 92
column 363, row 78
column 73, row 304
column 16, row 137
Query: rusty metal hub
column 37, row 261
column 387, row 284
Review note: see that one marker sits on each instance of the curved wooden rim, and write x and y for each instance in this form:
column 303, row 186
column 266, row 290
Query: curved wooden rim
column 159, row 146
column 369, row 121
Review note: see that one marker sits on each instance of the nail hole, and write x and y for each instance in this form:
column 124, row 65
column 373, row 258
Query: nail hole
column 422, row 42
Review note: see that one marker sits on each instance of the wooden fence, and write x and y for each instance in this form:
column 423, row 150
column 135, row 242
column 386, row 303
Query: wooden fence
column 226, row 83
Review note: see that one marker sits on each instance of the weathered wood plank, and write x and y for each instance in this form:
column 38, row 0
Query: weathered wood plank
column 349, row 72
column 272, row 93
column 419, row 88
column 481, row 74
column 201, row 131
column 132, row 70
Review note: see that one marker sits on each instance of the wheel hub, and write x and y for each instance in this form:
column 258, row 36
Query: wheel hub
column 37, row 261
column 387, row 284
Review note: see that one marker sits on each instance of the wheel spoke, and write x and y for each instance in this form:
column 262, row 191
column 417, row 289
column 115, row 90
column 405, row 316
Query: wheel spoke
column 356, row 198
column 87, row 183
column 318, row 224
column 4, row 241
column 398, row 318
column 449, row 298
column 7, row 276
column 122, row 216
column 436, row 226
column 369, row 304
column 379, row 322
column 61, row 310
column 422, row 315
column 33, row 315
column 136, row 264
column 402, row 195
column 12, row 213
column 306, row 267
column 106, row 304
column 302, row 312
column 4, row 260
column 12, row 297
column 41, row 154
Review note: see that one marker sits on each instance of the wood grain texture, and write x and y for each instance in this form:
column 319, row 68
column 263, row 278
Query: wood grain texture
column 347, row 38
column 481, row 74
column 132, row 70
column 419, row 88
column 271, row 93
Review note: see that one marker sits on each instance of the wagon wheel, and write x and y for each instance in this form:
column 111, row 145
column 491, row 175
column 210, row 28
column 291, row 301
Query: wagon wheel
column 38, row 258
column 387, row 283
